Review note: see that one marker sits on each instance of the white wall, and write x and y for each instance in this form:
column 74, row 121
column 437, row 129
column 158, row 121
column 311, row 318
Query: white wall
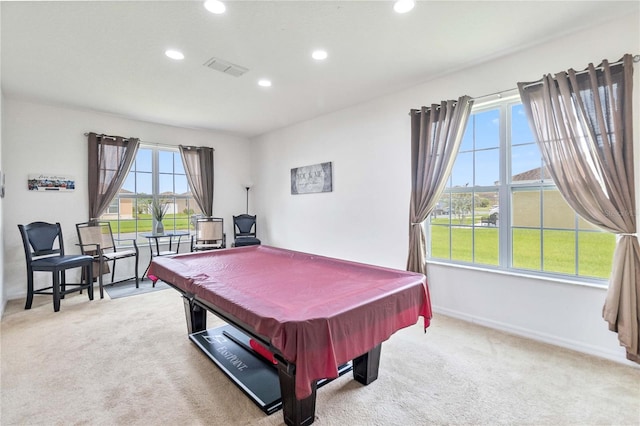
column 2, row 296
column 365, row 218
column 40, row 138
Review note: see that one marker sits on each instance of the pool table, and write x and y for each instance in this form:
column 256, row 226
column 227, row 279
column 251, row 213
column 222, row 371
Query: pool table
column 313, row 313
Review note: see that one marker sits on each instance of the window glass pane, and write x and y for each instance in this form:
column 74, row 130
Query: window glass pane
column 125, row 208
column 525, row 208
column 165, row 162
column 595, row 253
column 461, row 208
column 143, row 160
column 467, row 138
column 461, row 243
column 142, row 207
column 143, row 183
column 182, row 186
column 557, row 213
column 177, row 164
column 129, row 183
column 165, row 184
column 124, row 228
column 526, row 248
column 440, row 238
column 487, row 168
column 487, row 129
column 486, row 205
column 526, row 164
column 486, row 245
column 520, row 130
column 559, row 251
column 462, row 173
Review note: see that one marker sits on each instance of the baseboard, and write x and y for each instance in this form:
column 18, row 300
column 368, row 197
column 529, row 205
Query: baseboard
column 541, row 337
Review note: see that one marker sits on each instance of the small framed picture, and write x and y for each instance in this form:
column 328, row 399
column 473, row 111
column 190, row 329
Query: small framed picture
column 44, row 182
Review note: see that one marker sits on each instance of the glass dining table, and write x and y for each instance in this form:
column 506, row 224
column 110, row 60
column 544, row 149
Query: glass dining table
column 168, row 241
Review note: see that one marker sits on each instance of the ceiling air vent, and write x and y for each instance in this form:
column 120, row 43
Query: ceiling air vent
column 225, row 67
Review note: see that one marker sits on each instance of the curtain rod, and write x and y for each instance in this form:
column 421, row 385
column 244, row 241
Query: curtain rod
column 102, row 135
column 636, row 58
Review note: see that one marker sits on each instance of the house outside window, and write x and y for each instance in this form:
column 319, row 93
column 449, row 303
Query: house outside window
column 157, row 173
column 501, row 209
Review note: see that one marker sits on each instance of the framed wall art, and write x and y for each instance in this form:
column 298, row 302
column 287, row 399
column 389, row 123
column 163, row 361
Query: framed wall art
column 44, row 182
column 310, row 179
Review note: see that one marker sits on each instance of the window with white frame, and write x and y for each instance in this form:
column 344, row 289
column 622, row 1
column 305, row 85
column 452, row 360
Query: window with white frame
column 156, row 173
column 501, row 209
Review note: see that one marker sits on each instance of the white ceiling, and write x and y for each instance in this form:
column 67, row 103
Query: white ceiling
column 109, row 56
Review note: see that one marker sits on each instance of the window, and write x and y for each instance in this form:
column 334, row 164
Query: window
column 156, row 173
column 501, row 209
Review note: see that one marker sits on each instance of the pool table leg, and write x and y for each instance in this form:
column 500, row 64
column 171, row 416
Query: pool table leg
column 365, row 367
column 296, row 412
column 196, row 315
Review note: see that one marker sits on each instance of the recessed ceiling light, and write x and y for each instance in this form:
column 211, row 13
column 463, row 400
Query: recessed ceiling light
column 215, row 6
column 403, row 6
column 264, row 83
column 319, row 55
column 174, row 54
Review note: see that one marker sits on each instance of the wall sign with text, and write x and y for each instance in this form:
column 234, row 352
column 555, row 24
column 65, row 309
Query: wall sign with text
column 310, row 179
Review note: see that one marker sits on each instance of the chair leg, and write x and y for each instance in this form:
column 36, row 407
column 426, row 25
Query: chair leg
column 63, row 283
column 56, row 291
column 136, row 271
column 89, row 279
column 100, row 278
column 29, row 301
column 113, row 271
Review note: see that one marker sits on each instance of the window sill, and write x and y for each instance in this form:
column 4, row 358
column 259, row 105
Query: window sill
column 593, row 283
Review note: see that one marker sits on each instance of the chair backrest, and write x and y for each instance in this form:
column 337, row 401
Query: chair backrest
column 244, row 225
column 209, row 230
column 42, row 239
column 90, row 233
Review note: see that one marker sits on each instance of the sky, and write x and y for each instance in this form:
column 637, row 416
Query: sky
column 169, row 162
column 483, row 134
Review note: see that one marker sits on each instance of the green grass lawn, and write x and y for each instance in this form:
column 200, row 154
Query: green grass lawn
column 595, row 249
column 145, row 223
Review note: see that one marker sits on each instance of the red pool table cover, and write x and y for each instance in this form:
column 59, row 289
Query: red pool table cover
column 319, row 312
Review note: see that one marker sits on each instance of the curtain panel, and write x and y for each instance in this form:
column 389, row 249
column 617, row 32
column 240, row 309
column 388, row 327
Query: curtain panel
column 436, row 135
column 110, row 158
column 582, row 122
column 198, row 164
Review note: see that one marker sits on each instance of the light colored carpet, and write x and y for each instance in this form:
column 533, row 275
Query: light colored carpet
column 129, row 362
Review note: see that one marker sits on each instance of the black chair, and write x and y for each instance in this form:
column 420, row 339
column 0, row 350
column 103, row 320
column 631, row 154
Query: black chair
column 209, row 234
column 492, row 219
column 96, row 240
column 244, row 231
column 40, row 240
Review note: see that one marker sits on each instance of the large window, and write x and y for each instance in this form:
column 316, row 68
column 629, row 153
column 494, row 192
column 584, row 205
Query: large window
column 157, row 173
column 502, row 210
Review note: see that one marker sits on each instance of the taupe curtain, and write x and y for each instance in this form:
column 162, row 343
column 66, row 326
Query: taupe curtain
column 110, row 158
column 436, row 134
column 198, row 164
column 583, row 125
